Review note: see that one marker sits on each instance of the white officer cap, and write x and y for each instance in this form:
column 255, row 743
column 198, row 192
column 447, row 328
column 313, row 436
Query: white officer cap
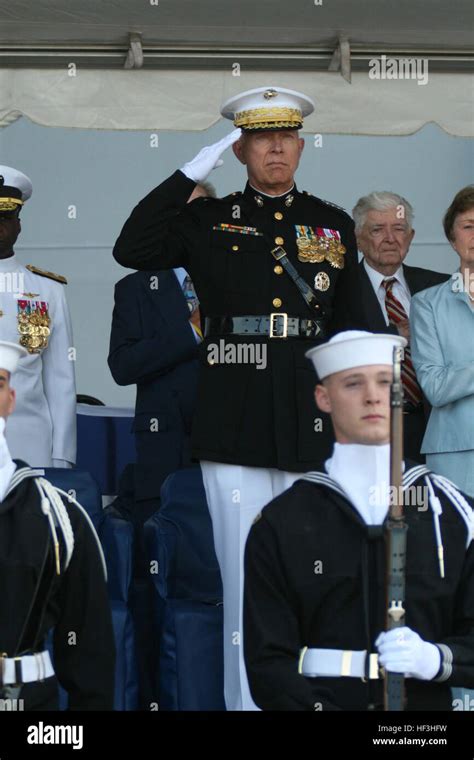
column 10, row 355
column 353, row 348
column 268, row 108
column 15, row 188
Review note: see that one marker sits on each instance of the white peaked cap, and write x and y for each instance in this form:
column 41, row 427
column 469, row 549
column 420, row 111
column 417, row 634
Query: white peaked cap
column 268, row 108
column 15, row 188
column 353, row 348
column 10, row 355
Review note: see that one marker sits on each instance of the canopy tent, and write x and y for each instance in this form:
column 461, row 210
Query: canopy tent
column 168, row 65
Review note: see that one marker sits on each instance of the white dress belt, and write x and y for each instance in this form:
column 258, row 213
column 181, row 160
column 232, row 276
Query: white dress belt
column 335, row 663
column 26, row 669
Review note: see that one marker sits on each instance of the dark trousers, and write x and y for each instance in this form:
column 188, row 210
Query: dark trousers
column 414, row 425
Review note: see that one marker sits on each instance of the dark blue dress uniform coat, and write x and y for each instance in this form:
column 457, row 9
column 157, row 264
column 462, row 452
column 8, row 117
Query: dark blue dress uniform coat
column 74, row 602
column 245, row 415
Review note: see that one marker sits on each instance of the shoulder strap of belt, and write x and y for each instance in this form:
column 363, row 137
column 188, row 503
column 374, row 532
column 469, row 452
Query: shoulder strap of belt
column 280, row 255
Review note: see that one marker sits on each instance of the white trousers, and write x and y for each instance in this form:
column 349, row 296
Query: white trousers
column 235, row 495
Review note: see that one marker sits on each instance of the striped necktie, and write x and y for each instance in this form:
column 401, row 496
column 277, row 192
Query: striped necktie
column 396, row 313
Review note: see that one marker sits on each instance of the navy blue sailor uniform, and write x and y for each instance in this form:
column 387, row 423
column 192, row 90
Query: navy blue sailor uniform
column 295, row 616
column 257, row 417
column 53, row 576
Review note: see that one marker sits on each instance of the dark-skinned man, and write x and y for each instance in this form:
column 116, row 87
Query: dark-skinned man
column 34, row 313
column 266, row 264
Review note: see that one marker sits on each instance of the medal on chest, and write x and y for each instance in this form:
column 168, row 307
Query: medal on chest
column 321, row 244
column 33, row 325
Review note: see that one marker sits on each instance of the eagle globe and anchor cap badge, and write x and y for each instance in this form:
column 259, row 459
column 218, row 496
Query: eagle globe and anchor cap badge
column 268, row 108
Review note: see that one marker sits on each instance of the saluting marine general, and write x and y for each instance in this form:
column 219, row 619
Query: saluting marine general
column 34, row 314
column 266, row 264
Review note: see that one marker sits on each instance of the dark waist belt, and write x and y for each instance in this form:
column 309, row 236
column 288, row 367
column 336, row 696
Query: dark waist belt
column 276, row 325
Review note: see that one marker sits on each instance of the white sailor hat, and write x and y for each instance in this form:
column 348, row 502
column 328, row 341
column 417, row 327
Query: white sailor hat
column 268, row 108
column 10, row 355
column 15, row 188
column 353, row 348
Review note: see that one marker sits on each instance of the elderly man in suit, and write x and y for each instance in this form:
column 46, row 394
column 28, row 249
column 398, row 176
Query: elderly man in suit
column 384, row 231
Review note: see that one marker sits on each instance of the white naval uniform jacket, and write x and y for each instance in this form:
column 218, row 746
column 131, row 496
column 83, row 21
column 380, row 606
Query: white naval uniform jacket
column 42, row 429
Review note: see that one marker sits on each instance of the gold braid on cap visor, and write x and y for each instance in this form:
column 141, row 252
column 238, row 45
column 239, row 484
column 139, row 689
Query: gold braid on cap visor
column 261, row 118
column 10, row 204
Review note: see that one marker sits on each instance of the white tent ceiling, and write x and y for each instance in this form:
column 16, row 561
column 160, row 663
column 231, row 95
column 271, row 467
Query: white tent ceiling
column 189, row 49
column 433, row 24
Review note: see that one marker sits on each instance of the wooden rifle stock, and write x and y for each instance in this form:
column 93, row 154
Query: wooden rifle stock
column 396, row 535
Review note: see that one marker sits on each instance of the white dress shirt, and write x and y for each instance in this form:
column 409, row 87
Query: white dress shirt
column 400, row 289
column 363, row 472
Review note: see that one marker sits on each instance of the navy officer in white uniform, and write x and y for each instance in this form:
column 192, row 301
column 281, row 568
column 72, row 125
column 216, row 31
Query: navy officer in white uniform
column 34, row 314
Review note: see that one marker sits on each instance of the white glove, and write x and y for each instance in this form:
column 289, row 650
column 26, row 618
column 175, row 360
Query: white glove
column 209, row 158
column 402, row 650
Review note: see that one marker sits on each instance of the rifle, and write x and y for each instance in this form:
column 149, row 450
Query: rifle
column 396, row 534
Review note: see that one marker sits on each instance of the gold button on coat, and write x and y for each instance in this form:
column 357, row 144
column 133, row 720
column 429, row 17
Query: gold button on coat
column 235, row 247
column 278, row 215
column 278, row 269
column 279, row 240
column 277, row 302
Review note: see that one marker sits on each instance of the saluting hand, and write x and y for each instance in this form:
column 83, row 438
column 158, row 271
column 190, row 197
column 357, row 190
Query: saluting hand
column 209, row 158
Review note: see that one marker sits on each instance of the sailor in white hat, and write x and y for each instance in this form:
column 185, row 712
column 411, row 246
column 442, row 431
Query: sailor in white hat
column 35, row 315
column 314, row 608
column 265, row 263
column 53, row 576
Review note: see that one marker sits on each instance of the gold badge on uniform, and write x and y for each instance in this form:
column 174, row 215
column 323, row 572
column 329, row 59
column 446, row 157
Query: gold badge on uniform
column 322, row 281
column 321, row 245
column 33, row 324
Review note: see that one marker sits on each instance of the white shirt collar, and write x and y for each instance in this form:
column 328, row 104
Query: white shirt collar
column 363, row 472
column 376, row 278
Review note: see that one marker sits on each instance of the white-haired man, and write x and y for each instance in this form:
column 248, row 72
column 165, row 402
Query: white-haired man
column 384, row 231
column 315, row 604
